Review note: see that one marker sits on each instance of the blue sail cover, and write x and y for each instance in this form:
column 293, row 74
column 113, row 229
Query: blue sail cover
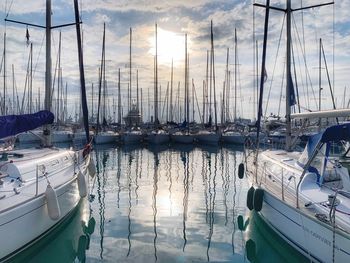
column 14, row 124
column 334, row 133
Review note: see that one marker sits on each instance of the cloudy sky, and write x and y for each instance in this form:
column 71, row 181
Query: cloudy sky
column 175, row 19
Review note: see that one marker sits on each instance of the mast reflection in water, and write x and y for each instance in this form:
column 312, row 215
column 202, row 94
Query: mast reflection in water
column 161, row 204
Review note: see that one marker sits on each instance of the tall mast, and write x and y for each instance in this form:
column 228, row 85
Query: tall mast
column 59, row 79
column 156, row 83
column 137, row 91
column 188, row 90
column 171, row 90
column 289, row 78
column 48, row 81
column 4, row 91
column 226, row 85
column 141, row 106
column 119, row 100
column 30, row 84
column 289, row 86
column 100, row 80
column 186, row 84
column 130, row 70
column 235, row 113
column 213, row 73
column 13, row 90
column 92, row 101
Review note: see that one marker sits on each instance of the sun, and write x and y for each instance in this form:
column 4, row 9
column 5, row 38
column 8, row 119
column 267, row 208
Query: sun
column 171, row 46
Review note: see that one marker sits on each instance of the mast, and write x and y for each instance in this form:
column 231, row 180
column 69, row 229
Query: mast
column 193, row 111
column 100, row 80
column 186, row 84
column 156, row 84
column 289, row 86
column 92, row 101
column 4, row 90
column 235, row 113
column 171, row 90
column 81, row 71
column 130, row 70
column 319, row 83
column 226, row 85
column 30, row 84
column 59, row 79
column 289, row 78
column 188, row 91
column 141, row 113
column 213, row 73
column 48, row 80
column 119, row 100
column 137, row 91
column 13, row 90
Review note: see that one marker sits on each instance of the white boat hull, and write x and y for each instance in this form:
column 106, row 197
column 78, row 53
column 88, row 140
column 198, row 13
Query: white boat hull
column 309, row 236
column 23, row 225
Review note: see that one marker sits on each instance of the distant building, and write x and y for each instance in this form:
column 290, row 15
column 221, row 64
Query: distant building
column 133, row 118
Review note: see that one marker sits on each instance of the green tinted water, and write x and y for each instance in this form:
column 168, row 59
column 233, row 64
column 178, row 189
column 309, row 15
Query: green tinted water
column 164, row 205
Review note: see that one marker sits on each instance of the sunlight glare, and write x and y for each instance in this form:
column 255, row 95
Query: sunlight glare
column 170, row 46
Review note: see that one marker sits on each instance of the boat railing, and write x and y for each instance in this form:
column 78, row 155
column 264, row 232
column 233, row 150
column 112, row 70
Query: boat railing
column 267, row 173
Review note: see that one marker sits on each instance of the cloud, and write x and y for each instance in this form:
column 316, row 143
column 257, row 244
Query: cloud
column 180, row 17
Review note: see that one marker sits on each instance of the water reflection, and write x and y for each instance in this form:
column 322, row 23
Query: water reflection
column 159, row 204
column 67, row 243
column 101, row 164
column 185, row 161
column 154, row 202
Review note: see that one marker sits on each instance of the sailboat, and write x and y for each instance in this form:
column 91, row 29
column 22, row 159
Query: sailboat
column 157, row 135
column 40, row 187
column 133, row 133
column 232, row 134
column 183, row 135
column 210, row 136
column 303, row 196
column 104, row 135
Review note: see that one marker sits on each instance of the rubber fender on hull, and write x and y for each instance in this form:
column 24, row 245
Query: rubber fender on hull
column 53, row 207
column 250, row 247
column 258, row 199
column 240, row 222
column 82, row 245
column 241, row 171
column 92, row 167
column 250, row 197
column 82, row 185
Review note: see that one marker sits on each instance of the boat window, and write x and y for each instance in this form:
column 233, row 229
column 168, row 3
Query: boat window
column 318, row 162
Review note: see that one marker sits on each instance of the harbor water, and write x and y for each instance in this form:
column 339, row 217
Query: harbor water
column 164, row 204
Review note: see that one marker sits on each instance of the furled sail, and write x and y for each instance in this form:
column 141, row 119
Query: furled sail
column 14, row 124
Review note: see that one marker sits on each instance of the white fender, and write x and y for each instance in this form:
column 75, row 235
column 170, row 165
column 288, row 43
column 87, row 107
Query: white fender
column 82, row 185
column 53, row 207
column 92, row 167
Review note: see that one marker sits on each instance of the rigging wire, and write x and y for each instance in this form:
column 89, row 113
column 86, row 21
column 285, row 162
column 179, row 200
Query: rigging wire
column 333, row 57
column 305, row 63
column 255, row 76
column 274, row 67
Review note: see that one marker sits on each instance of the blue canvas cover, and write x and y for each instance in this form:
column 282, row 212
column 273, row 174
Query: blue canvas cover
column 334, row 133
column 14, row 124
